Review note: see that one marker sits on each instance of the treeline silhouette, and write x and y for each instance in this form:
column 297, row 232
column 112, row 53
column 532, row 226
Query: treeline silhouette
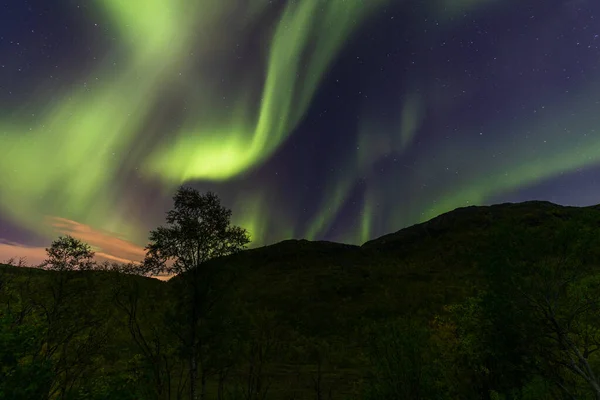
column 517, row 317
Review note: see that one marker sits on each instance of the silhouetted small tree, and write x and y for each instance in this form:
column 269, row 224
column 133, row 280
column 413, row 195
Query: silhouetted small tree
column 69, row 254
column 74, row 330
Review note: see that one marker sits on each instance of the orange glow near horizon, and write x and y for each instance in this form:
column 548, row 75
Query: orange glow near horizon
column 106, row 245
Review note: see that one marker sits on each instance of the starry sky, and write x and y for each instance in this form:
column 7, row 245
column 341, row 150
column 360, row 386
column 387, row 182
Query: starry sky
column 327, row 120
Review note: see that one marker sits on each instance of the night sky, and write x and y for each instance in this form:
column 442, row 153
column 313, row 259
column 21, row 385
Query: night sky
column 321, row 119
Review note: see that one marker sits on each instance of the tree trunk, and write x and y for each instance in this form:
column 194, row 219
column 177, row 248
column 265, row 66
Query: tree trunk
column 193, row 333
column 221, row 389
column 193, row 372
column 203, row 385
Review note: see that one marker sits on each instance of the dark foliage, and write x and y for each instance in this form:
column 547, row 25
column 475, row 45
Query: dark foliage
column 496, row 302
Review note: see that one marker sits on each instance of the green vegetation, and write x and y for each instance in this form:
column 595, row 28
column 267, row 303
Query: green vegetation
column 497, row 302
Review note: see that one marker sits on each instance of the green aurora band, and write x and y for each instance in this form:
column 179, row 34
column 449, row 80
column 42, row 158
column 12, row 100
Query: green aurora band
column 66, row 159
column 519, row 158
column 98, row 125
column 232, row 146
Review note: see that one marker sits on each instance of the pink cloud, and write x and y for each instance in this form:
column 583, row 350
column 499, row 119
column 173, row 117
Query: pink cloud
column 33, row 255
column 107, row 246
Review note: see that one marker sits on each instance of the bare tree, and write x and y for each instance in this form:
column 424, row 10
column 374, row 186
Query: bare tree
column 129, row 268
column 16, row 262
column 150, row 339
column 565, row 303
column 263, row 343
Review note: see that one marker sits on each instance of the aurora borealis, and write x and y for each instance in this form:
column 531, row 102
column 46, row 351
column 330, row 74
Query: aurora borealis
column 339, row 120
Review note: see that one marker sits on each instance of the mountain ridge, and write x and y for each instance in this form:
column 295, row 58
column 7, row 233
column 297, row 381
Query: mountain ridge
column 474, row 216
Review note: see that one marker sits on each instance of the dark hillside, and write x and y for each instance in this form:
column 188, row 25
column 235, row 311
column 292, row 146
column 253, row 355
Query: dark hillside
column 433, row 262
column 328, row 291
column 470, row 222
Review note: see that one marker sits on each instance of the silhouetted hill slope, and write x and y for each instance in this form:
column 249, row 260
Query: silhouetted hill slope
column 323, row 287
column 476, row 219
